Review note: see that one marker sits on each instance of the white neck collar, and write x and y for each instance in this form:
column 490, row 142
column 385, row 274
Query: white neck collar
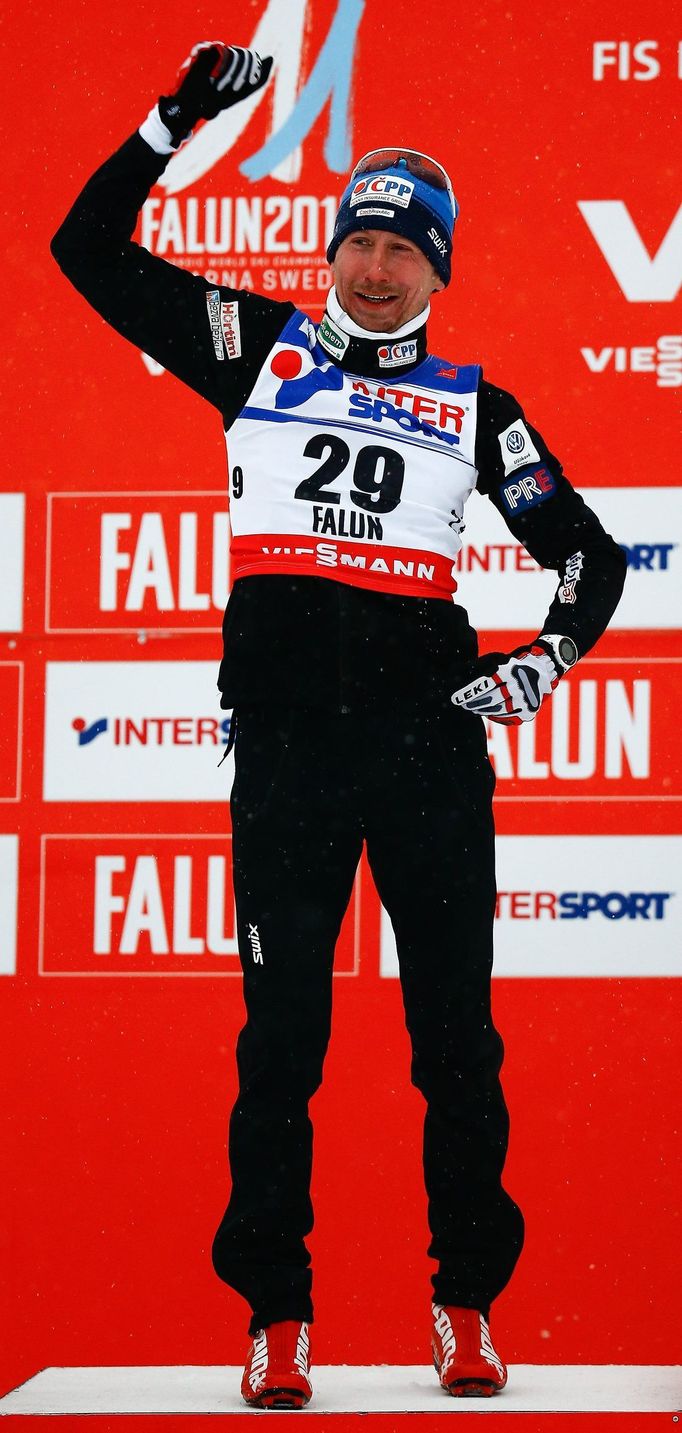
column 340, row 317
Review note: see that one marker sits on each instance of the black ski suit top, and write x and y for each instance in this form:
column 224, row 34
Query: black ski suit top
column 309, row 641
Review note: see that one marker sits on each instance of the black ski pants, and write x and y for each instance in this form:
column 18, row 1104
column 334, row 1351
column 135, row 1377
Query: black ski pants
column 309, row 788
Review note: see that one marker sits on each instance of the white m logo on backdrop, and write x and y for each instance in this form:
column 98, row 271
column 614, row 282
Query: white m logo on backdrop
column 642, row 278
column 281, row 33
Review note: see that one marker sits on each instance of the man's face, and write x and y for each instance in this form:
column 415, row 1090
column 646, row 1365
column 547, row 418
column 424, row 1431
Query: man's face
column 382, row 280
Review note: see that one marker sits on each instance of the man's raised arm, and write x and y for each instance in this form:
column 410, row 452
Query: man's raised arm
column 164, row 310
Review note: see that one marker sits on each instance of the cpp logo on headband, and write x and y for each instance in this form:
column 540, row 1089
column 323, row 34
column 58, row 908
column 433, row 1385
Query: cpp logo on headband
column 399, row 191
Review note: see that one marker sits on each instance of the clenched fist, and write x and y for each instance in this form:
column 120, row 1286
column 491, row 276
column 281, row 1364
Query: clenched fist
column 213, row 78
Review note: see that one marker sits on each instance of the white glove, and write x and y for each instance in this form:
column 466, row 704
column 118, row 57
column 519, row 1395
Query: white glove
column 512, row 688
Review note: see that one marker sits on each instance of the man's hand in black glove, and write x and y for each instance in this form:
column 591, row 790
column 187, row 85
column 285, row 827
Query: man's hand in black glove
column 512, row 688
column 212, row 78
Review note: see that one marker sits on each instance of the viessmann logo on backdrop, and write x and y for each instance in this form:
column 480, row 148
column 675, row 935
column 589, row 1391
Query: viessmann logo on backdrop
column 642, row 278
column 151, row 905
column 274, row 242
column 134, row 731
column 582, row 905
column 502, row 587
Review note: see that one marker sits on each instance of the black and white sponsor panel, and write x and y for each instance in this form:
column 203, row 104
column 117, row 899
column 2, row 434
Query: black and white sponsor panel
column 503, row 588
column 9, row 871
column 134, row 731
column 582, row 906
column 12, row 507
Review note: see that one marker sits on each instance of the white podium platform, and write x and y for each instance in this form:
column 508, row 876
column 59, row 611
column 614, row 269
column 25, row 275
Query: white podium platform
column 343, row 1389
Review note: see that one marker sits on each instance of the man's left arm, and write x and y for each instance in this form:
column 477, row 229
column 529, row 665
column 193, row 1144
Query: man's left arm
column 527, row 485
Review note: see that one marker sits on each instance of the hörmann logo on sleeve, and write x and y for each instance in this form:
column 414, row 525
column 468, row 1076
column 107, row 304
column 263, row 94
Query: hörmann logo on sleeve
column 229, row 322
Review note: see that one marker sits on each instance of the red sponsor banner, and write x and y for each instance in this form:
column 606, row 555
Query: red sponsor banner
column 11, row 707
column 149, row 905
column 145, row 560
column 411, row 572
column 606, row 735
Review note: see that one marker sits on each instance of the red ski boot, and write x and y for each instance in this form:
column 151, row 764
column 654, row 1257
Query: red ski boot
column 277, row 1373
column 463, row 1354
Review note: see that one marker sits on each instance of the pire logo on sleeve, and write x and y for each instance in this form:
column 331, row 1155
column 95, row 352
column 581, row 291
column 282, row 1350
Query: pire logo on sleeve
column 150, row 905
column 134, row 731
column 526, row 492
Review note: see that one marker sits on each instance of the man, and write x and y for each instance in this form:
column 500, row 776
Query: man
column 356, row 690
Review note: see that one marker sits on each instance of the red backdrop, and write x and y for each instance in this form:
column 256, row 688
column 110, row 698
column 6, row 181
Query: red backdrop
column 119, row 1024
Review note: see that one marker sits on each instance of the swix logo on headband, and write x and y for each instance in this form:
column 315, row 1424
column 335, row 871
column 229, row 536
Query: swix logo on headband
column 399, row 191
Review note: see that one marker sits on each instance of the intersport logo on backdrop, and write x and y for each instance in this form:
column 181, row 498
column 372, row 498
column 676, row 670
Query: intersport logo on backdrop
column 150, row 905
column 134, row 731
column 274, row 242
column 582, row 906
column 503, row 588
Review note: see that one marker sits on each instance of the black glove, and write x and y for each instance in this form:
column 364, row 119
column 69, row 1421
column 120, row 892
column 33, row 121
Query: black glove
column 511, row 688
column 212, row 78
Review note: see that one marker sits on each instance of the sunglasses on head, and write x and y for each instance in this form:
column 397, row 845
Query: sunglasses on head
column 422, row 166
